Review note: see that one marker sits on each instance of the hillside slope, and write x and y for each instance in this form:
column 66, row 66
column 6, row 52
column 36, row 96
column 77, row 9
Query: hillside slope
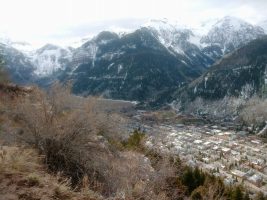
column 134, row 67
column 242, row 73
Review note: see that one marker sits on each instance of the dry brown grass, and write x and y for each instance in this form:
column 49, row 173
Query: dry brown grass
column 254, row 111
column 67, row 130
column 73, row 133
column 19, row 160
column 22, row 176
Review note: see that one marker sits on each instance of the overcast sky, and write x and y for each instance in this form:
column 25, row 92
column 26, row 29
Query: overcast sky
column 40, row 21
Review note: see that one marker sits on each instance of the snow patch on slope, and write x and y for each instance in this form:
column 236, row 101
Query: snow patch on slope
column 263, row 24
column 168, row 33
column 49, row 59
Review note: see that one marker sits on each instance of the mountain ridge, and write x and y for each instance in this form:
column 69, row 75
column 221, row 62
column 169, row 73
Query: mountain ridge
column 160, row 56
column 240, row 74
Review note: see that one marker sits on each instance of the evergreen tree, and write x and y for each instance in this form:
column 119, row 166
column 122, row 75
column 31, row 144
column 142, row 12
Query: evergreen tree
column 188, row 180
column 199, row 178
column 237, row 194
column 193, row 178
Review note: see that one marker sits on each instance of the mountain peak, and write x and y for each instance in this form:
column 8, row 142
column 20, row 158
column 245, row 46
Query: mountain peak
column 263, row 24
column 49, row 59
column 234, row 23
column 105, row 36
column 49, row 47
column 164, row 24
column 230, row 33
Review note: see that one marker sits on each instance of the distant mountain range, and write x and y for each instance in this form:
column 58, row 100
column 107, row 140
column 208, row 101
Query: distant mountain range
column 19, row 67
column 147, row 64
column 242, row 73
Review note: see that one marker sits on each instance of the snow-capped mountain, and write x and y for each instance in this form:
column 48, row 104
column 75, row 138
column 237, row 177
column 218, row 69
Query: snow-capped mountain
column 103, row 64
column 17, row 64
column 88, row 51
column 169, row 33
column 50, row 59
column 43, row 61
column 204, row 27
column 24, row 47
column 263, row 24
column 4, row 40
column 154, row 59
column 231, row 33
column 136, row 66
column 214, row 37
column 209, row 41
column 241, row 74
column 180, row 40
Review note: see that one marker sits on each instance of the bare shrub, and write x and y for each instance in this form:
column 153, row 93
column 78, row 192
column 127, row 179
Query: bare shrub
column 224, row 108
column 74, row 135
column 254, row 111
column 64, row 128
column 166, row 179
column 69, row 131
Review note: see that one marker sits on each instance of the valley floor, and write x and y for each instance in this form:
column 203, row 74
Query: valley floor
column 49, row 142
column 237, row 157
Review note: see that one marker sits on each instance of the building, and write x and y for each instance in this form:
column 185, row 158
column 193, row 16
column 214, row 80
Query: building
column 226, row 150
column 238, row 174
column 256, row 180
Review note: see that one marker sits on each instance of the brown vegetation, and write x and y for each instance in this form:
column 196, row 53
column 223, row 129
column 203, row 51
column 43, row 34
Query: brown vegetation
column 88, row 147
column 22, row 176
column 255, row 112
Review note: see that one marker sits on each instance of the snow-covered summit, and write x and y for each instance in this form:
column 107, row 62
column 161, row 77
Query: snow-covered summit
column 230, row 33
column 49, row 59
column 4, row 40
column 233, row 23
column 263, row 24
column 164, row 24
column 204, row 27
column 22, row 46
column 213, row 37
column 170, row 33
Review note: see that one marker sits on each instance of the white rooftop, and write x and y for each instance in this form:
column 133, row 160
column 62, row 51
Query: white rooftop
column 198, row 141
column 225, row 149
column 238, row 173
column 255, row 178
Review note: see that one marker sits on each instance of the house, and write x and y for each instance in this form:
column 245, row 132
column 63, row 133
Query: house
column 238, row 174
column 226, row 150
column 256, row 142
column 256, row 180
column 197, row 141
column 229, row 181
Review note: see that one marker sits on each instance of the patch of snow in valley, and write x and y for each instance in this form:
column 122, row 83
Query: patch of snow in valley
column 120, row 67
column 206, row 79
column 110, row 65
